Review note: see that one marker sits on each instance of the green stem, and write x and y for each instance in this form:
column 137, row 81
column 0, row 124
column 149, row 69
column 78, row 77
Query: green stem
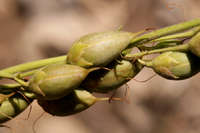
column 26, row 74
column 187, row 34
column 162, row 44
column 183, row 47
column 165, row 31
column 33, row 65
column 9, row 86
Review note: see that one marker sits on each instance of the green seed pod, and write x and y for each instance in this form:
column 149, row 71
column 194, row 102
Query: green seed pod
column 194, row 45
column 58, row 80
column 174, row 65
column 12, row 106
column 68, row 105
column 85, row 97
column 98, row 49
column 120, row 73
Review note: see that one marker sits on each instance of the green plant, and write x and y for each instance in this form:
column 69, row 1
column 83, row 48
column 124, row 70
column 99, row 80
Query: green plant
column 56, row 82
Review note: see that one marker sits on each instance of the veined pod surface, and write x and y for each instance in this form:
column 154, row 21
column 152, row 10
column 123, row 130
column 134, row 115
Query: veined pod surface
column 98, row 49
column 120, row 73
column 194, row 45
column 174, row 65
column 12, row 106
column 68, row 105
column 58, row 80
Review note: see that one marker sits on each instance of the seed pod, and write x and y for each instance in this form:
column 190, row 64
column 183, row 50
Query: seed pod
column 194, row 45
column 120, row 73
column 98, row 49
column 68, row 105
column 58, row 80
column 174, row 65
column 85, row 97
column 12, row 106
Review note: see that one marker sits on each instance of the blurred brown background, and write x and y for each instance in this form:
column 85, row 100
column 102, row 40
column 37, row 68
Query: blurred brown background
column 35, row 29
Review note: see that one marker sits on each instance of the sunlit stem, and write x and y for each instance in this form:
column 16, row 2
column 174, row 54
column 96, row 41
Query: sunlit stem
column 183, row 35
column 9, row 86
column 33, row 65
column 183, row 47
column 165, row 31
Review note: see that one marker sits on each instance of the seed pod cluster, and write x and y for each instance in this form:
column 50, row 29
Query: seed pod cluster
column 56, row 85
column 94, row 64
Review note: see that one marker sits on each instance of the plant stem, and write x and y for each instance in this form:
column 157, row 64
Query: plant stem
column 165, row 31
column 9, row 86
column 33, row 65
column 187, row 34
column 183, row 47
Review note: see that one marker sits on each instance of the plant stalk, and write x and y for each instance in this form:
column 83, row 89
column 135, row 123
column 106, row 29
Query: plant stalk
column 183, row 47
column 165, row 31
column 33, row 65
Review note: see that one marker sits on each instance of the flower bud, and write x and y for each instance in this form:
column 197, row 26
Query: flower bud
column 98, row 49
column 58, row 80
column 174, row 65
column 68, row 105
column 120, row 73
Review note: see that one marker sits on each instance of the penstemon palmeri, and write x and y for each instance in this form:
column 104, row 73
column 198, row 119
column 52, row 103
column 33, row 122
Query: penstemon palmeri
column 64, row 85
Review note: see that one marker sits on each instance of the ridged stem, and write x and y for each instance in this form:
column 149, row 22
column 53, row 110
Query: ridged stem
column 183, row 47
column 164, row 31
column 187, row 34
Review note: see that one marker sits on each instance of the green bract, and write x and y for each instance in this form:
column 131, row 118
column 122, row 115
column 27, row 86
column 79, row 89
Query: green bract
column 58, row 80
column 120, row 73
column 194, row 45
column 68, row 105
column 174, row 65
column 12, row 106
column 98, row 49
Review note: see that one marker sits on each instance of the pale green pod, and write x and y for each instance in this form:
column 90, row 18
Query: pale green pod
column 98, row 49
column 12, row 106
column 68, row 105
column 85, row 97
column 194, row 45
column 58, row 80
column 120, row 73
column 174, row 65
